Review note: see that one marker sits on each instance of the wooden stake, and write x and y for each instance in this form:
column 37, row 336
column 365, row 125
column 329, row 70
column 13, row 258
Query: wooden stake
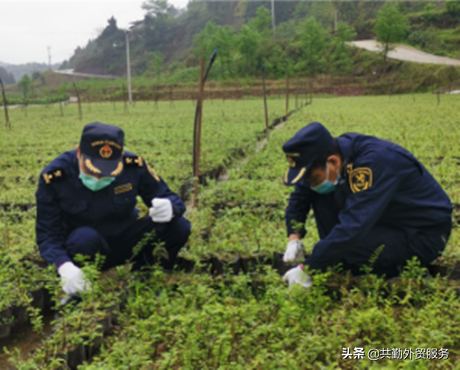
column 265, row 102
column 198, row 137
column 5, row 108
column 125, row 107
column 79, row 101
column 287, row 95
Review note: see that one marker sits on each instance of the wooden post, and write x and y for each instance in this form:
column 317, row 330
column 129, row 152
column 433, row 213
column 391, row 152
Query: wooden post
column 60, row 107
column 265, row 101
column 198, row 136
column 5, row 108
column 79, row 101
column 125, row 106
column 287, row 95
column 296, row 97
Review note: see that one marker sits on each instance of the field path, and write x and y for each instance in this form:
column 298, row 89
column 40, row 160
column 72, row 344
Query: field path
column 406, row 53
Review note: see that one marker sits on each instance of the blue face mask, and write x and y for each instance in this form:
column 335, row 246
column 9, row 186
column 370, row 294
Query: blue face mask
column 93, row 183
column 326, row 186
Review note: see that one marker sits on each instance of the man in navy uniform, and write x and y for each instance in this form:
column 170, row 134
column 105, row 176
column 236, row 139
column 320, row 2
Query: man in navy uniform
column 365, row 193
column 86, row 205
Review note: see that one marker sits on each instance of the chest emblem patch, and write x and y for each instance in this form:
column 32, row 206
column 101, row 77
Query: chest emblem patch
column 360, row 179
column 123, row 188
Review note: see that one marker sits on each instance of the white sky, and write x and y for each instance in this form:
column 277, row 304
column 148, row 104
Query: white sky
column 27, row 28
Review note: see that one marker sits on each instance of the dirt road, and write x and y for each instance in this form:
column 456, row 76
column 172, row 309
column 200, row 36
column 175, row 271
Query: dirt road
column 406, row 53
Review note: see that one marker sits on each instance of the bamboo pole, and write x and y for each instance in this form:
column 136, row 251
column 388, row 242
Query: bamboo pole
column 287, row 95
column 79, row 101
column 198, row 136
column 265, row 101
column 5, row 108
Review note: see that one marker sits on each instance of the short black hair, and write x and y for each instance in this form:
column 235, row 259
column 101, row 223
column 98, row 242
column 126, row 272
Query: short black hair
column 320, row 162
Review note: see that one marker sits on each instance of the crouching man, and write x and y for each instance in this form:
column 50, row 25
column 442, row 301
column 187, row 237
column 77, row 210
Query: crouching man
column 365, row 193
column 86, row 205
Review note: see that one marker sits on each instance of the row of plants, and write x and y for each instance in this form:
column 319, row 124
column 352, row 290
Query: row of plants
column 240, row 220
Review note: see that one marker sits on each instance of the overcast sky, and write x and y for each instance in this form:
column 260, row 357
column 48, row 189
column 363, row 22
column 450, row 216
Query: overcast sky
column 27, row 28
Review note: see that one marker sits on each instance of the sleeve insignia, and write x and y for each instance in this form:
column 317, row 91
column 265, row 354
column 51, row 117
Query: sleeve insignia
column 153, row 173
column 360, row 179
column 51, row 176
column 123, row 188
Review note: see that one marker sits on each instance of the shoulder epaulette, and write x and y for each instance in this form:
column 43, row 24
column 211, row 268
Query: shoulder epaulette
column 52, row 176
column 135, row 161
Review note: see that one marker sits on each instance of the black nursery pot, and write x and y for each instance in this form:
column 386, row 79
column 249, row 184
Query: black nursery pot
column 38, row 298
column 5, row 329
column 76, row 357
column 220, row 267
column 451, row 270
column 20, row 314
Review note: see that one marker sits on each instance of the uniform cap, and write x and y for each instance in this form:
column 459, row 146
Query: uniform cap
column 304, row 148
column 102, row 146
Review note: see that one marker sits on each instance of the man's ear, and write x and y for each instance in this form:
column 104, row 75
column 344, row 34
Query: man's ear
column 77, row 148
column 335, row 159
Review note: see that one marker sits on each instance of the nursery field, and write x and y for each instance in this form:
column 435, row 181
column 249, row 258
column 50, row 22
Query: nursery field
column 226, row 307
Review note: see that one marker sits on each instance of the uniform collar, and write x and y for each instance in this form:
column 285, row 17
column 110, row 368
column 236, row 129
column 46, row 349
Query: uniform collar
column 345, row 145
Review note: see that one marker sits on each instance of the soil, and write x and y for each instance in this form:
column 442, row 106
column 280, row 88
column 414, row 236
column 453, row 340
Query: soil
column 24, row 339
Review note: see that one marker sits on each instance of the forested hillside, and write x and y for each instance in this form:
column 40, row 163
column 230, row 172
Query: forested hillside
column 308, row 38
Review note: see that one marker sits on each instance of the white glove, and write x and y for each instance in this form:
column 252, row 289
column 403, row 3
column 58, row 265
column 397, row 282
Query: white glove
column 297, row 276
column 72, row 278
column 161, row 210
column 294, row 251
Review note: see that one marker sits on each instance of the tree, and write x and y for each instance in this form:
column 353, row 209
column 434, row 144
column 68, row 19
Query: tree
column 313, row 41
column 340, row 56
column 262, row 22
column 24, row 85
column 159, row 8
column 155, row 64
column 391, row 26
column 205, row 42
column 248, row 43
column 6, row 77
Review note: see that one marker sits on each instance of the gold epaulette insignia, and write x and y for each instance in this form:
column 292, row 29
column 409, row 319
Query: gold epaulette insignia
column 53, row 176
column 360, row 179
column 134, row 161
column 153, row 173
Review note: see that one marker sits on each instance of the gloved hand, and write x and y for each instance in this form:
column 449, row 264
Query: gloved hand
column 72, row 278
column 161, row 210
column 294, row 251
column 297, row 275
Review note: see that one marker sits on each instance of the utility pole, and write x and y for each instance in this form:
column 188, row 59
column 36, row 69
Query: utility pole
column 128, row 66
column 273, row 17
column 49, row 58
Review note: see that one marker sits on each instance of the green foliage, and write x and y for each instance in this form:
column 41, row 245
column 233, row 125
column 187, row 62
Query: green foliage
column 262, row 22
column 340, row 56
column 391, row 26
column 453, row 7
column 313, row 43
column 24, row 84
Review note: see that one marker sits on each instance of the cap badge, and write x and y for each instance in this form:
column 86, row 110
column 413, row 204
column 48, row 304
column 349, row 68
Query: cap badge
column 106, row 151
column 291, row 161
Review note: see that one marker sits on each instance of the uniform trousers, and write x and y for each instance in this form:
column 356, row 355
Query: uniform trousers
column 119, row 249
column 400, row 243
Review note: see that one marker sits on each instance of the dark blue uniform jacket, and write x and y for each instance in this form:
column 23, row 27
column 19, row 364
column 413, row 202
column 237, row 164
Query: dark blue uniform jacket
column 383, row 185
column 65, row 204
